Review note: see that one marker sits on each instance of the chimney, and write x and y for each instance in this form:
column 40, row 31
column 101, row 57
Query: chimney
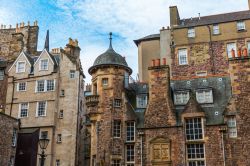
column 174, row 16
column 73, row 48
column 248, row 4
column 159, row 112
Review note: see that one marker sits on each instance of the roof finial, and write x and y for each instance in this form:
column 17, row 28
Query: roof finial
column 110, row 39
column 46, row 45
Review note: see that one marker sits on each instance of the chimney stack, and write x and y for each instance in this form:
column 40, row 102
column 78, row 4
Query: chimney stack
column 248, row 4
column 174, row 16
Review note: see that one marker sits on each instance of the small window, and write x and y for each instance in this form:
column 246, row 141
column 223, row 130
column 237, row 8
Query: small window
column 44, row 64
column 57, row 162
column 231, row 47
column 44, row 134
column 232, row 128
column 204, row 96
column 130, row 155
column 41, row 108
column 117, row 129
column 40, row 87
column 60, row 116
column 241, row 25
column 141, row 101
column 23, row 110
column 130, row 131
column 20, row 67
column 1, row 74
column 105, row 82
column 72, row 74
column 50, row 85
column 216, row 29
column 21, row 86
column 191, row 32
column 117, row 103
column 181, row 97
column 62, row 93
column 116, row 162
column 59, row 138
column 182, row 56
column 14, row 137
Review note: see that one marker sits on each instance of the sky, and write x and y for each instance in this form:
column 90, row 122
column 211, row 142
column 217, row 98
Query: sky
column 90, row 21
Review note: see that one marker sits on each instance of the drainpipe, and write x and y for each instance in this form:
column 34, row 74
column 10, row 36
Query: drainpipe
column 140, row 133
column 12, row 97
column 210, row 47
column 223, row 146
column 141, row 150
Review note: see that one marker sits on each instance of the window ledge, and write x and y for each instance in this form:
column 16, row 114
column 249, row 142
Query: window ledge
column 242, row 30
column 239, row 58
column 216, row 34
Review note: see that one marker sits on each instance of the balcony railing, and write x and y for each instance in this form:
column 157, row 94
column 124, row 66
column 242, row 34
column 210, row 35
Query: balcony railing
column 92, row 100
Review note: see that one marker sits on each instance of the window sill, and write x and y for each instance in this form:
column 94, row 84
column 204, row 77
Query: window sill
column 216, row 34
column 239, row 58
column 241, row 30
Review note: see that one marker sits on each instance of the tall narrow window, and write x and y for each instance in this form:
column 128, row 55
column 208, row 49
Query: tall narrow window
column 231, row 47
column 21, row 86
column 20, row 67
column 117, row 129
column 141, row 101
column 50, row 85
column 57, row 162
column 195, row 154
column 59, row 138
column 41, row 108
column 44, row 64
column 23, row 110
column 241, row 25
column 130, row 131
column 72, row 74
column 216, row 29
column 130, row 155
column 191, row 32
column 1, row 74
column 194, row 129
column 105, row 82
column 182, row 56
column 40, row 86
column 14, row 137
column 60, row 116
column 232, row 128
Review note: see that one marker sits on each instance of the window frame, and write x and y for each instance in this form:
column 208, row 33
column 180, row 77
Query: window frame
column 130, row 131
column 202, row 93
column 42, row 134
column 232, row 129
column 141, row 103
column 183, row 102
column 14, row 138
column 191, row 32
column 117, row 129
column 117, row 103
column 58, row 162
column 45, row 85
column 61, row 114
column 229, row 55
column 18, row 86
column 17, row 67
column 193, row 129
column 2, row 74
column 132, row 158
column 182, row 58
column 241, row 26
column 59, row 138
column 22, row 109
column 53, row 81
column 105, row 81
column 216, row 29
column 41, row 67
column 72, row 74
column 45, row 109
column 197, row 153
column 116, row 162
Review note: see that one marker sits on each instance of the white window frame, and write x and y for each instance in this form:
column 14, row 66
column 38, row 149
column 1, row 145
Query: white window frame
column 117, row 103
column 45, row 86
column 183, row 56
column 14, row 137
column 191, row 32
column 18, row 86
column 130, row 162
column 241, row 25
column 59, row 138
column 216, row 29
column 116, row 162
column 17, row 67
column 105, row 82
column 72, row 74
column 204, row 96
column 248, row 48
column 231, row 46
column 20, row 110
column 141, row 101
column 197, row 153
column 1, row 74
column 45, row 109
column 193, row 129
column 117, row 129
column 182, row 95
column 41, row 68
column 232, row 127
column 130, row 131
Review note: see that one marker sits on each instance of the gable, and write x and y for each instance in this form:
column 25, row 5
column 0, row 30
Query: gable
column 22, row 57
column 44, row 55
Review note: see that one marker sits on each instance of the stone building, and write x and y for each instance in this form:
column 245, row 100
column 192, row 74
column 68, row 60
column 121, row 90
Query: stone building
column 8, row 139
column 3, row 83
column 45, row 91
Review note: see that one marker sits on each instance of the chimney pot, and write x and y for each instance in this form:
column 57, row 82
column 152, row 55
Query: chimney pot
column 153, row 62
column 164, row 61
column 158, row 62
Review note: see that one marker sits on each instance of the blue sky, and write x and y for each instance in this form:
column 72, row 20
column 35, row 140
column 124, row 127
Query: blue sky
column 90, row 21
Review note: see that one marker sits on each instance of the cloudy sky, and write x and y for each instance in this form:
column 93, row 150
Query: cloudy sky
column 90, row 21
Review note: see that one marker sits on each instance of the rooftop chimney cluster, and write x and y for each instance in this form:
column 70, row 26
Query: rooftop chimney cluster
column 73, row 42
column 157, row 62
column 18, row 25
column 56, row 50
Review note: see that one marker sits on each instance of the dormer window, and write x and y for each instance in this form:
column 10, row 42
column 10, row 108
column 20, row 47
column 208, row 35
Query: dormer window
column 1, row 74
column 241, row 25
column 191, row 33
column 141, row 101
column 204, row 96
column 44, row 64
column 181, row 97
column 20, row 67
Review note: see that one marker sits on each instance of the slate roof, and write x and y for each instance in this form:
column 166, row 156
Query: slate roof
column 214, row 19
column 109, row 57
column 147, row 38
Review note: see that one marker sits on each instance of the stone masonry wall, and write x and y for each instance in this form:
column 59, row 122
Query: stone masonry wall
column 7, row 151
